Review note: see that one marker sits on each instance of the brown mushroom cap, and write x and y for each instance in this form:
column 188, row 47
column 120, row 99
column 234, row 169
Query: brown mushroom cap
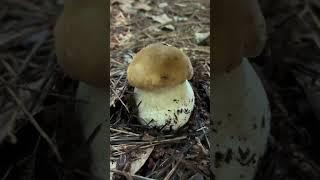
column 159, row 66
column 238, row 34
column 81, row 48
column 256, row 30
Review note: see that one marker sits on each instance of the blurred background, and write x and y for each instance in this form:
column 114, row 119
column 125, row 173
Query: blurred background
column 289, row 68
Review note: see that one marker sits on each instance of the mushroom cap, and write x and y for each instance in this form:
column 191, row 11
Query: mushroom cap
column 80, row 47
column 158, row 66
column 239, row 34
column 256, row 31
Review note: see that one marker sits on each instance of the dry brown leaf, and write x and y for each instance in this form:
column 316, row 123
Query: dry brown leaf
column 141, row 156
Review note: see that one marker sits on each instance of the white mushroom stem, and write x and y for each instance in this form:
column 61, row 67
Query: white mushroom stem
column 91, row 114
column 241, row 123
column 165, row 108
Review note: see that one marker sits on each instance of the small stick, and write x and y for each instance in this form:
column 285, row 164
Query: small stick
column 124, row 132
column 34, row 122
column 115, row 93
column 131, row 176
column 173, row 169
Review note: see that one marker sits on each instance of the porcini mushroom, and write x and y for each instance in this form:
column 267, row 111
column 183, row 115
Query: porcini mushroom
column 255, row 30
column 241, row 114
column 239, row 34
column 81, row 49
column 163, row 94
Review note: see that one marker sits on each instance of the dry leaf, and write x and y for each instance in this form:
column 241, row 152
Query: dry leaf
column 141, row 157
column 163, row 5
column 169, row 27
column 163, row 19
column 140, row 6
column 200, row 37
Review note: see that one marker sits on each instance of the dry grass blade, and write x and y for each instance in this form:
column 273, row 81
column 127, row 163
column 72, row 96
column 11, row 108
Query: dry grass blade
column 173, row 169
column 31, row 54
column 6, row 174
column 8, row 38
column 9, row 68
column 118, row 97
column 130, row 176
column 124, row 132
